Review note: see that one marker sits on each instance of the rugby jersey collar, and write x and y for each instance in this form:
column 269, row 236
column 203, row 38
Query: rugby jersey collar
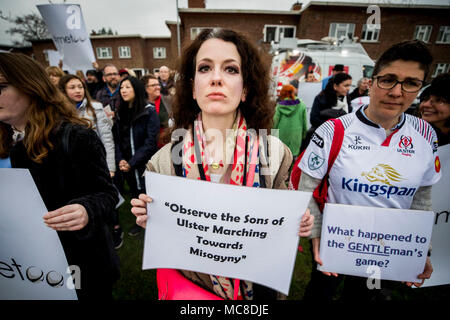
column 360, row 114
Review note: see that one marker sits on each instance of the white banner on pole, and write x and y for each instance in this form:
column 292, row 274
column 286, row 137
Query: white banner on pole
column 53, row 59
column 307, row 92
column 390, row 244
column 237, row 232
column 66, row 25
column 33, row 265
column 440, row 256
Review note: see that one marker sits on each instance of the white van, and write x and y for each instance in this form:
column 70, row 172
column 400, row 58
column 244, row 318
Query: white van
column 295, row 60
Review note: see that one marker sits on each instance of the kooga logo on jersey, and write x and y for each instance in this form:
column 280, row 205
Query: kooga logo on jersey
column 380, row 173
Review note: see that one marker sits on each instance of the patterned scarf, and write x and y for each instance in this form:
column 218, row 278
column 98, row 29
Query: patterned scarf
column 235, row 156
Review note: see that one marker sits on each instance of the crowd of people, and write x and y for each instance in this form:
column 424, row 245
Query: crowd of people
column 83, row 136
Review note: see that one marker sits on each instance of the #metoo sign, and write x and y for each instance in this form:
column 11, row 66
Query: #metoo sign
column 66, row 25
column 33, row 265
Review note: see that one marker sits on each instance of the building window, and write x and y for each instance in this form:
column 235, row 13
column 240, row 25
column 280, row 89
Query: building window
column 277, row 32
column 159, row 53
column 195, row 31
column 104, row 53
column 339, row 30
column 124, row 52
column 423, row 33
column 443, row 35
column 441, row 68
column 370, row 33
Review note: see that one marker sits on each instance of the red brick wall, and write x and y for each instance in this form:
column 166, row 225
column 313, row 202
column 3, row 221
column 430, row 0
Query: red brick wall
column 397, row 24
column 251, row 25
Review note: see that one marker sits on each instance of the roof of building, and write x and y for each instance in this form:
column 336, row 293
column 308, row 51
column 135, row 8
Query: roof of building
column 236, row 11
column 379, row 4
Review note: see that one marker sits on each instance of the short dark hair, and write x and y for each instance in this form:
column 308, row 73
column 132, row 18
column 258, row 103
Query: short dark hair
column 145, row 78
column 411, row 50
column 439, row 87
column 338, row 67
column 91, row 72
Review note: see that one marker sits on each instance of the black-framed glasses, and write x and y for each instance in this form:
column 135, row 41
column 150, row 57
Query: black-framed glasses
column 388, row 82
column 111, row 74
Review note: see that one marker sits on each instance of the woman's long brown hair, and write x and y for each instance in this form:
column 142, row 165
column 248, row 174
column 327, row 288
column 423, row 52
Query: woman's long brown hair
column 48, row 109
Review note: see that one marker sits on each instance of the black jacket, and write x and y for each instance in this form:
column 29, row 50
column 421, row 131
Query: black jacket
column 321, row 103
column 144, row 130
column 78, row 173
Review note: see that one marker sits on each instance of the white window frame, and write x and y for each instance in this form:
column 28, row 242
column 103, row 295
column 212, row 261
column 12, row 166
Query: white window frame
column 348, row 28
column 124, row 52
column 159, row 53
column 195, row 31
column 370, row 34
column 423, row 32
column 444, row 35
column 104, row 52
column 441, row 68
column 279, row 32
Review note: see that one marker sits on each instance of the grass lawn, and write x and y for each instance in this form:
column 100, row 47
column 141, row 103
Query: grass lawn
column 138, row 284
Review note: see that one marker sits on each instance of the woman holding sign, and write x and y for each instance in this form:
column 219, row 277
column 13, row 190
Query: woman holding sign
column 223, row 85
column 41, row 131
column 384, row 149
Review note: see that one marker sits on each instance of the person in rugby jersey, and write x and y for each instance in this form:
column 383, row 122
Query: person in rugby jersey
column 387, row 159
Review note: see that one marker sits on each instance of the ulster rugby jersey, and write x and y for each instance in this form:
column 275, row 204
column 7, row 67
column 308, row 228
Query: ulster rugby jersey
column 372, row 170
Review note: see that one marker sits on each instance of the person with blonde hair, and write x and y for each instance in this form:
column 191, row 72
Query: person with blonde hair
column 55, row 73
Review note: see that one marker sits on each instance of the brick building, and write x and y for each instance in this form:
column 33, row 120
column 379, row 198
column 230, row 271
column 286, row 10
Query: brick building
column 315, row 20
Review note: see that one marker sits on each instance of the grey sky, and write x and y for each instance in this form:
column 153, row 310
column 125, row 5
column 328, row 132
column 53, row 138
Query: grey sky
column 147, row 17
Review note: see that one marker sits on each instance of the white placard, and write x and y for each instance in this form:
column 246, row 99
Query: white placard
column 307, row 92
column 357, row 239
column 440, row 257
column 53, row 59
column 66, row 25
column 236, row 232
column 33, row 265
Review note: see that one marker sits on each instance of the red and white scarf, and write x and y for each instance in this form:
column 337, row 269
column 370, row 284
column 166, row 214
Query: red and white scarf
column 235, row 148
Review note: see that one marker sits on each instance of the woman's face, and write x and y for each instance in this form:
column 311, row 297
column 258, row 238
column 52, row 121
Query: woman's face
column 343, row 88
column 127, row 91
column 13, row 105
column 218, row 83
column 54, row 79
column 75, row 90
column 435, row 110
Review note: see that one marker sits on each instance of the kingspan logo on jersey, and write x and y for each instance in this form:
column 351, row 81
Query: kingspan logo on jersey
column 386, row 176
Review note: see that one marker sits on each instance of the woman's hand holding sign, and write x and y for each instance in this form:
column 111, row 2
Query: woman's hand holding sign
column 139, row 209
column 306, row 224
